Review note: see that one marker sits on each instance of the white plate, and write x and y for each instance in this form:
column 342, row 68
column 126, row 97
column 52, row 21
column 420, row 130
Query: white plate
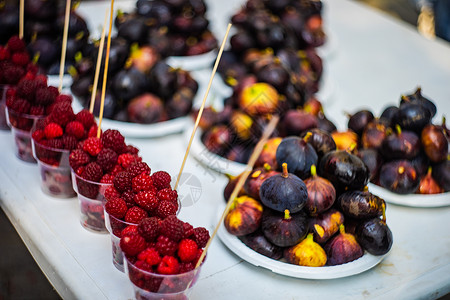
column 364, row 263
column 53, row 80
column 193, row 62
column 412, row 200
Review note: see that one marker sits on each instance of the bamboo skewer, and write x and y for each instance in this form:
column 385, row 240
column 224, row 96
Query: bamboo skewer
column 200, row 112
column 256, row 152
column 105, row 72
column 64, row 45
column 21, row 18
column 99, row 62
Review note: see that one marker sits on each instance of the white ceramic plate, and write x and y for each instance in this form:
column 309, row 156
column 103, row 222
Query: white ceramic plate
column 193, row 62
column 53, row 80
column 412, row 200
column 364, row 263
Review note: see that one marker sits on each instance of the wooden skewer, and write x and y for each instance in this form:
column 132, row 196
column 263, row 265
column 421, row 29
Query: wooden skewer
column 105, row 72
column 200, row 112
column 21, row 19
column 99, row 62
column 64, row 45
column 251, row 162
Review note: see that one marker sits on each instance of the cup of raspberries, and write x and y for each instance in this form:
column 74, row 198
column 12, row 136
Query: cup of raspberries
column 94, row 165
column 160, row 257
column 137, row 194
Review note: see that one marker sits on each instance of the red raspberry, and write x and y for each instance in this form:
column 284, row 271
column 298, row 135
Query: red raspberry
column 86, row 118
column 139, row 167
column 130, row 229
column 168, row 195
column 46, row 95
column 15, row 43
column 78, row 158
column 69, row 142
column 149, row 228
column 188, row 230
column 187, row 250
column 131, row 149
column 26, row 89
column 111, row 193
column 168, row 265
column 135, row 214
column 128, row 196
column 75, row 129
column 79, row 171
column 107, row 159
column 116, row 207
column 13, row 73
column 166, row 246
column 173, row 228
column 62, row 113
column 107, row 178
column 166, row 208
column 117, row 169
column 92, row 172
column 199, row 253
column 55, row 144
column 186, row 267
column 147, row 200
column 37, row 110
column 114, row 139
column 142, row 182
column 126, row 159
column 63, row 98
column 201, row 235
column 161, row 180
column 93, row 131
column 132, row 244
column 38, row 135
column 122, row 181
column 140, row 264
column 150, row 256
column 53, row 130
column 40, row 77
column 20, row 58
column 4, row 53
column 21, row 106
column 93, row 146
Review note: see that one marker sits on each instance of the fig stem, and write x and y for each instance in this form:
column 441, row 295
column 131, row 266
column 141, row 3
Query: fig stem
column 287, row 215
column 313, row 171
column 351, row 148
column 401, row 170
column 398, row 129
column 429, row 170
column 310, row 237
column 267, row 167
column 342, row 228
column 285, row 173
column 307, row 136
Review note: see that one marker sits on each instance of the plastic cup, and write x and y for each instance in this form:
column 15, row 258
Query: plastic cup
column 3, row 122
column 91, row 198
column 151, row 286
column 55, row 170
column 115, row 227
column 21, row 125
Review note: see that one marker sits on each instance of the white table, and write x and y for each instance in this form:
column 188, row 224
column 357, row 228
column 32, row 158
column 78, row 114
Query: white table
column 376, row 60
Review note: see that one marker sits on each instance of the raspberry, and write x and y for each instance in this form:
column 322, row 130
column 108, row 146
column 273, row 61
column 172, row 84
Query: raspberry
column 111, row 193
column 128, row 196
column 137, row 168
column 188, row 230
column 150, row 256
column 117, row 168
column 135, row 215
column 21, row 106
column 93, row 146
column 52, row 131
column 130, row 229
column 142, row 182
column 199, row 253
column 173, row 228
column 4, row 53
column 26, row 89
column 46, row 95
column 12, row 74
column 126, row 159
column 122, row 181
column 63, row 98
column 37, row 110
column 116, row 207
column 20, row 58
column 186, row 267
column 15, row 44
column 166, row 208
column 69, row 142
column 140, row 264
column 132, row 244
column 187, row 250
column 201, row 235
column 131, row 149
column 114, row 139
column 86, row 118
column 161, row 180
column 93, row 172
column 168, row 195
column 55, row 144
column 40, row 77
column 38, row 135
column 79, row 171
column 62, row 112
column 93, row 131
column 149, row 228
column 29, row 76
column 166, row 246
column 107, row 178
column 78, row 158
column 168, row 265
column 147, row 200
column 107, row 159
column 76, row 129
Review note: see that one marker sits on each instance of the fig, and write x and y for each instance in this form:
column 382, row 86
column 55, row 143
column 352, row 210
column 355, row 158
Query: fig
column 374, row 235
column 218, row 139
column 284, row 229
column 296, row 121
column 418, row 98
column 402, row 144
column 180, row 103
column 421, row 163
column 244, row 216
column 232, row 181
column 284, row 191
column 373, row 160
column 163, row 79
column 268, row 153
column 239, row 153
column 259, row 99
column 428, row 184
column 325, row 225
column 399, row 176
column 274, row 74
column 321, row 194
column 298, row 154
column 434, row 143
column 259, row 125
column 388, row 114
column 258, row 242
column 360, row 204
column 145, row 109
column 325, row 124
column 144, row 58
column 306, row 253
column 374, row 134
column 128, row 84
column 321, row 141
column 254, row 181
column 441, row 172
column 313, row 106
column 359, row 120
column 344, row 170
column 241, row 124
column 342, row 248
column 412, row 116
column 345, row 139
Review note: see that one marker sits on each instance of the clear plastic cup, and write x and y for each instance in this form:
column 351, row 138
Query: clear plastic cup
column 152, row 286
column 3, row 122
column 91, row 198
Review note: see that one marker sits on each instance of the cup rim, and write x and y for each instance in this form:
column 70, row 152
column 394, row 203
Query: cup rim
column 48, row 148
column 35, row 117
column 89, row 181
column 116, row 219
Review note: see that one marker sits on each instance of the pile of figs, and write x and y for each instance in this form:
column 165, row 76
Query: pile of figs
column 405, row 152
column 43, row 31
column 308, row 204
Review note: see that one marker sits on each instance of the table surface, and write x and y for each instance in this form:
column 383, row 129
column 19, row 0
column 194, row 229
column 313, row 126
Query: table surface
column 374, row 59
